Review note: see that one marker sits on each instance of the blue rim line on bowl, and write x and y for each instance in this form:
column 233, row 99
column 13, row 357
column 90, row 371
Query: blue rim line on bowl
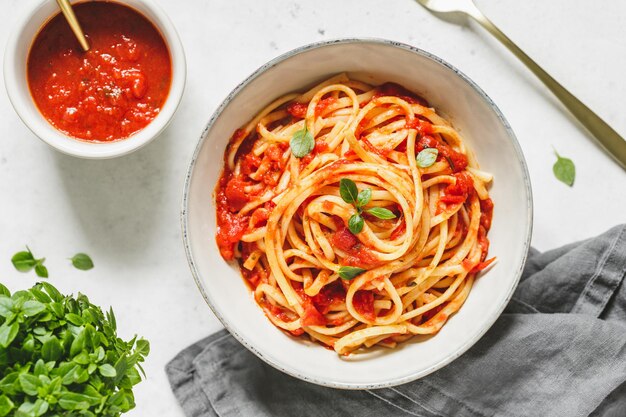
column 185, row 200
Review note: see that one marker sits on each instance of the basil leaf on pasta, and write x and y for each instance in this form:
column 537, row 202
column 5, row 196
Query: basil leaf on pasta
column 381, row 213
column 355, row 224
column 302, row 143
column 364, row 197
column 564, row 170
column 350, row 272
column 426, row 157
column 348, row 191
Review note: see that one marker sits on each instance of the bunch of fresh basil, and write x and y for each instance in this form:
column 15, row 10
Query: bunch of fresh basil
column 60, row 356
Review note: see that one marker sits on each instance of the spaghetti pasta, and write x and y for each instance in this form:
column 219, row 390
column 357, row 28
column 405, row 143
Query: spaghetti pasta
column 356, row 213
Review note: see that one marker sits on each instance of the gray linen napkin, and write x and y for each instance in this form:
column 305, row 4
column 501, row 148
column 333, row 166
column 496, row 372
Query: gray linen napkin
column 559, row 349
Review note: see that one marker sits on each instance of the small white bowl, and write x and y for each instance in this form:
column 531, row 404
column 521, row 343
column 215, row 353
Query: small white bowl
column 16, row 82
column 487, row 133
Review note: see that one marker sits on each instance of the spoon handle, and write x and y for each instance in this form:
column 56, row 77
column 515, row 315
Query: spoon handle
column 604, row 134
column 68, row 12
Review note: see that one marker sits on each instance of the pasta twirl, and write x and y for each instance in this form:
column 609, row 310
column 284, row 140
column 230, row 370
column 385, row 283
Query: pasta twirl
column 349, row 272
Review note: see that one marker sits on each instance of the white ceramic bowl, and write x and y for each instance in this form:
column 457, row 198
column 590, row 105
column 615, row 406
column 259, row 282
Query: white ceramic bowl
column 485, row 130
column 15, row 80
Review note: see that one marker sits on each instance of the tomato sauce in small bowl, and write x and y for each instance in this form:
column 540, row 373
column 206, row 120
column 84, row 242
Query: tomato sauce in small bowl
column 110, row 92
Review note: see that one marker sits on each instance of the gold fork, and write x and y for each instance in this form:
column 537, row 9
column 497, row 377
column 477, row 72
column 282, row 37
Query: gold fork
column 605, row 135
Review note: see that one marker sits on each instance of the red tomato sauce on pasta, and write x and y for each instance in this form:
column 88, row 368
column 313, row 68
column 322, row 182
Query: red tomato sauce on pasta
column 109, row 92
column 396, row 90
column 294, row 286
column 358, row 254
column 456, row 160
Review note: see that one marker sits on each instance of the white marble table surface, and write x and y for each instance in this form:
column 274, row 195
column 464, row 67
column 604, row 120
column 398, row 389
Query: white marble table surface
column 125, row 212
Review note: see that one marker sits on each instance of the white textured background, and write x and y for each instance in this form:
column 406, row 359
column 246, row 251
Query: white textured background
column 125, row 212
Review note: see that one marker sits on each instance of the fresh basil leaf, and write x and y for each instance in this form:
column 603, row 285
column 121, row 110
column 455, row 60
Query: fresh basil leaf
column 45, row 381
column 348, row 191
column 78, row 344
column 355, row 224
column 36, row 409
column 381, row 213
column 88, row 317
column 24, row 261
column 92, row 395
column 41, row 331
column 121, row 366
column 75, row 319
column 302, row 143
column 52, row 292
column 82, row 376
column 82, row 358
column 40, row 408
column 99, row 354
column 29, row 383
column 141, row 369
column 71, row 306
column 8, row 333
column 69, row 373
column 55, row 385
column 4, row 291
column 133, row 376
column 9, row 385
column 350, row 272
column 82, row 261
column 143, row 347
column 57, row 309
column 40, row 368
column 111, row 318
column 52, row 356
column 6, row 405
column 107, row 370
column 89, row 332
column 28, row 344
column 364, row 197
column 91, row 368
column 123, row 399
column 40, row 295
column 426, row 157
column 564, row 170
column 41, row 270
column 98, row 337
column 6, row 305
column 32, row 308
column 72, row 401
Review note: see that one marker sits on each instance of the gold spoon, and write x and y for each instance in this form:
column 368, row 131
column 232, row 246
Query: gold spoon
column 604, row 134
column 68, row 12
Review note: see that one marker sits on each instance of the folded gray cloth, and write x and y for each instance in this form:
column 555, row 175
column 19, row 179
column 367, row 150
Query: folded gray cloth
column 559, row 349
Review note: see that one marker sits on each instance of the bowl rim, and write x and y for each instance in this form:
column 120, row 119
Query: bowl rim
column 184, row 218
column 50, row 135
